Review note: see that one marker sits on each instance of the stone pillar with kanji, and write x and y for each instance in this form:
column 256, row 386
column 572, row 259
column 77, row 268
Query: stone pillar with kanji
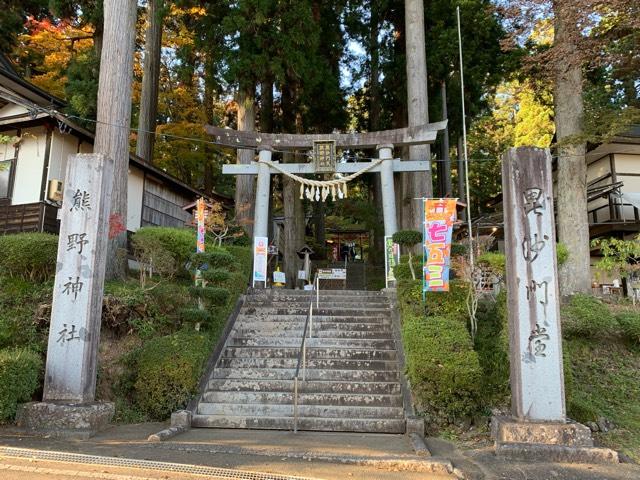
column 537, row 425
column 69, row 407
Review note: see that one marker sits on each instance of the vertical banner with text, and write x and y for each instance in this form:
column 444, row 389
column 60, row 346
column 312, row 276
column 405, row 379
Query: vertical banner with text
column 439, row 217
column 200, row 205
column 391, row 259
column 260, row 248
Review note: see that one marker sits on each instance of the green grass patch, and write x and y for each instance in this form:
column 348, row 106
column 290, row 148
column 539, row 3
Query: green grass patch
column 606, row 384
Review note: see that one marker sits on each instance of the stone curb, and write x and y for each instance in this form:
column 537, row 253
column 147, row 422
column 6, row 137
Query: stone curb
column 407, row 463
column 557, row 453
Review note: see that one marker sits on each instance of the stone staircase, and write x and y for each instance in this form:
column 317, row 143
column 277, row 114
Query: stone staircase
column 352, row 376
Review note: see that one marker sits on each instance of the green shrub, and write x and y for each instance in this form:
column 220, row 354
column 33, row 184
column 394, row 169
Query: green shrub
column 179, row 242
column 216, row 258
column 30, row 256
column 630, row 325
column 19, row 378
column 216, row 296
column 586, row 316
column 496, row 261
column 452, row 303
column 243, row 255
column 168, row 372
column 149, row 251
column 442, row 366
column 492, row 346
column 195, row 315
column 216, row 276
column 458, row 249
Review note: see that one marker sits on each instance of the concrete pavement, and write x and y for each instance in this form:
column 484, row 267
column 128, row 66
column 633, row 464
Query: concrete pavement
column 252, row 454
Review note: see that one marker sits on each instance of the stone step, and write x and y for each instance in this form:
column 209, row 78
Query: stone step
column 347, row 312
column 324, row 294
column 296, row 328
column 311, row 374
column 323, row 304
column 323, row 363
column 375, row 319
column 286, row 410
column 348, row 399
column 245, row 332
column 370, row 425
column 310, row 386
column 383, row 344
column 292, row 352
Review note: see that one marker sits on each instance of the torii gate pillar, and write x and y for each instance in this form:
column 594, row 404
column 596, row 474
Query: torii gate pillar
column 385, row 152
column 261, row 215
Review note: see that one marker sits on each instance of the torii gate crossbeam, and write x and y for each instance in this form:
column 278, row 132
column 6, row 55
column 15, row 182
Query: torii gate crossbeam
column 383, row 141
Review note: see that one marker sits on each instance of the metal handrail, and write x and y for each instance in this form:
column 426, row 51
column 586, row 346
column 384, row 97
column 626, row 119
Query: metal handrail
column 302, row 354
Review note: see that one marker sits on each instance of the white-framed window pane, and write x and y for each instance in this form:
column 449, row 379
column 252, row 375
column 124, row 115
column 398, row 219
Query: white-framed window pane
column 5, row 177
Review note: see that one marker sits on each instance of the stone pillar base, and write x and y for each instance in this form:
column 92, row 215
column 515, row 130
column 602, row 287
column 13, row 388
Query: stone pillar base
column 548, row 441
column 65, row 420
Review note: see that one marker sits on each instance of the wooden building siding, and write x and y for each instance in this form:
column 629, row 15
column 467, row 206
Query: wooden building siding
column 28, row 217
column 162, row 207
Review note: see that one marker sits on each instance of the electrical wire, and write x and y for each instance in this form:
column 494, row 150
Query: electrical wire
column 35, row 109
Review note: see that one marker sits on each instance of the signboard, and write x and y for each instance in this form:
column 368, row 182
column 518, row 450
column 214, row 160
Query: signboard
column 332, row 273
column 279, row 277
column 260, row 245
column 302, row 275
column 439, row 217
column 273, row 250
column 391, row 259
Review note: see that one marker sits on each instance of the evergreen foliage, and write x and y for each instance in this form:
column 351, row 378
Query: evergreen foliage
column 30, row 256
column 20, row 371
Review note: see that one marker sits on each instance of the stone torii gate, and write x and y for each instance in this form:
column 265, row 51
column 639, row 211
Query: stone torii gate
column 382, row 141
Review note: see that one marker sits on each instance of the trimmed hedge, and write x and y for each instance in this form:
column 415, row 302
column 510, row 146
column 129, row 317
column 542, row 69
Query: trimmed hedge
column 630, row 325
column 216, row 275
column 179, row 242
column 30, row 256
column 168, row 370
column 19, row 378
column 443, row 369
column 442, row 366
column 211, row 259
column 586, row 316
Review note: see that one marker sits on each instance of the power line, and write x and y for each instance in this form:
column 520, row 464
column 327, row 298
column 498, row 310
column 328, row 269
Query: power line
column 35, row 109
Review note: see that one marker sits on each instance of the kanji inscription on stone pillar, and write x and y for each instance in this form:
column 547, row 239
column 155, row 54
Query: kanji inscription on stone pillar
column 537, row 383
column 77, row 297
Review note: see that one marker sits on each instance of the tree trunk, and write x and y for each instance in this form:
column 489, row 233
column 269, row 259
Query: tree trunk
column 245, row 184
column 445, row 171
column 374, row 79
column 573, row 221
column 209, row 163
column 375, row 105
column 266, row 106
column 114, row 118
column 294, row 217
column 416, row 184
column 150, row 82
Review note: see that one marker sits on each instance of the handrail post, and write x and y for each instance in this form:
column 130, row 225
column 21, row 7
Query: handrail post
column 295, row 405
column 304, row 362
column 311, row 320
column 317, row 291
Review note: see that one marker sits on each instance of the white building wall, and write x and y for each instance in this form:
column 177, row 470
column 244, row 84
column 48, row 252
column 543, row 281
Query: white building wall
column 61, row 147
column 134, row 198
column 28, row 176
